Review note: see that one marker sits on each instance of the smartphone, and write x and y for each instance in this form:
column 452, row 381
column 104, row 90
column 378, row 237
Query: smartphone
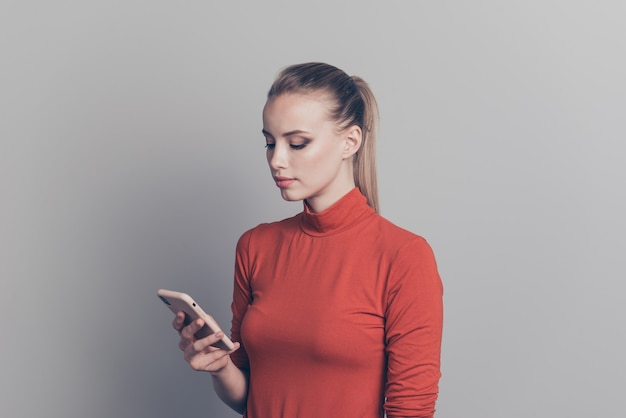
column 178, row 301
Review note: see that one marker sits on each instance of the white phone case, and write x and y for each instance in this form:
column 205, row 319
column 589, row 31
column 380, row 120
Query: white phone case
column 178, row 301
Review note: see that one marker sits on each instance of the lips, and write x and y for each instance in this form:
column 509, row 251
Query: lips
column 283, row 182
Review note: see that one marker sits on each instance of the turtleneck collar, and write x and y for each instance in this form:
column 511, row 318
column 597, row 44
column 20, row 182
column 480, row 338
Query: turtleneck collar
column 347, row 212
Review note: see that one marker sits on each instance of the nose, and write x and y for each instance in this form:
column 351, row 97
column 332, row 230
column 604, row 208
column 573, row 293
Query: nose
column 277, row 156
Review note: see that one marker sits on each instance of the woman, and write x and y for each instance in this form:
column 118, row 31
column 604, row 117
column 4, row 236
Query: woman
column 338, row 311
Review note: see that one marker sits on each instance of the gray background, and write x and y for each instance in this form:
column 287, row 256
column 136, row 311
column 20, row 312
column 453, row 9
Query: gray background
column 131, row 159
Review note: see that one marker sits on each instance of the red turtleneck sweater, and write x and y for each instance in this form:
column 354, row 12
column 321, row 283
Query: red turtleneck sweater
column 339, row 315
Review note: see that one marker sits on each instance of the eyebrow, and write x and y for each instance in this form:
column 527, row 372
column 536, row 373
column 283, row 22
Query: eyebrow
column 290, row 133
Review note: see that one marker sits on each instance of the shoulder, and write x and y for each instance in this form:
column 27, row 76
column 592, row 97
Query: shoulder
column 268, row 232
column 397, row 238
column 409, row 255
column 413, row 271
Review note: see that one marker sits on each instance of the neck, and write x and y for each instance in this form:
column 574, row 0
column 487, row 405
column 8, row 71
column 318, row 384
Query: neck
column 343, row 184
column 318, row 204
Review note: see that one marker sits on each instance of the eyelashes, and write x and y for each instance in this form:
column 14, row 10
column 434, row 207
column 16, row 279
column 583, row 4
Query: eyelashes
column 270, row 146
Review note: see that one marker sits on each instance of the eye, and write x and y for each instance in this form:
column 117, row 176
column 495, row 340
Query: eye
column 270, row 146
column 298, row 146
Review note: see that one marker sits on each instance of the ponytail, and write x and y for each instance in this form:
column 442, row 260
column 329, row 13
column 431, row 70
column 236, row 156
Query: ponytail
column 365, row 158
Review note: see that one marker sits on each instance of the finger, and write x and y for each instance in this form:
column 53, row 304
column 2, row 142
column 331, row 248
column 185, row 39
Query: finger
column 211, row 359
column 206, row 344
column 183, row 344
column 190, row 330
column 178, row 322
column 189, row 346
column 205, row 362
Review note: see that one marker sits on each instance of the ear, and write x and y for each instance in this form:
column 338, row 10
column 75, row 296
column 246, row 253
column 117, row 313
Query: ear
column 353, row 137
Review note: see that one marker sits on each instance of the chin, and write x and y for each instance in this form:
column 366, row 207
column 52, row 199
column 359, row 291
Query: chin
column 291, row 196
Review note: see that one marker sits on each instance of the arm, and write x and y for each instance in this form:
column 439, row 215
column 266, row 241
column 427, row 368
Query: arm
column 230, row 378
column 230, row 383
column 413, row 331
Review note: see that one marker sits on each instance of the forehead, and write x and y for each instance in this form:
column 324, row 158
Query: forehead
column 297, row 108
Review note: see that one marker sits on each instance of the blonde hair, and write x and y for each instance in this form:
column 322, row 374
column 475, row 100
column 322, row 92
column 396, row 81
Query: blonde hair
column 354, row 104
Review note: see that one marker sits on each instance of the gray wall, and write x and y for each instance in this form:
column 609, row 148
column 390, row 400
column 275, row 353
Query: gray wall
column 131, row 159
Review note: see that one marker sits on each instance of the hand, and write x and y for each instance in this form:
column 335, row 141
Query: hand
column 199, row 353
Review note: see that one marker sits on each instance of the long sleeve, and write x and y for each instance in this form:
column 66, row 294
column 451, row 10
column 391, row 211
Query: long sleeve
column 414, row 320
column 242, row 297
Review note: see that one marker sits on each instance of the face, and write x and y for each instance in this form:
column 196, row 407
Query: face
column 310, row 158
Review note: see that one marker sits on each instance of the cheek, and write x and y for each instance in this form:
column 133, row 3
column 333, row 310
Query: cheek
column 326, row 157
column 311, row 161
